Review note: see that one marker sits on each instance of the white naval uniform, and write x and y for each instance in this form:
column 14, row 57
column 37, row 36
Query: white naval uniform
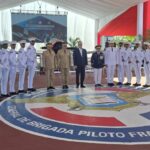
column 5, row 70
column 22, row 64
column 147, row 66
column 0, row 65
column 110, row 61
column 137, row 55
column 31, row 64
column 13, row 67
column 127, row 57
column 120, row 64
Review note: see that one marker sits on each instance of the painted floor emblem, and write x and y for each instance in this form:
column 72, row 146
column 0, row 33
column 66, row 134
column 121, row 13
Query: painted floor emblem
column 105, row 115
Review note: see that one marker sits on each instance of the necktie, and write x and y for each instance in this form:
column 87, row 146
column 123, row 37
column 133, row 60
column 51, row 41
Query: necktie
column 112, row 49
column 81, row 52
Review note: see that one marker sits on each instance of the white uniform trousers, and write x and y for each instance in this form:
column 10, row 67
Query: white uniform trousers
column 0, row 74
column 22, row 72
column 147, row 73
column 12, row 79
column 120, row 73
column 97, row 75
column 4, row 80
column 31, row 73
column 110, row 73
column 137, row 69
column 128, row 72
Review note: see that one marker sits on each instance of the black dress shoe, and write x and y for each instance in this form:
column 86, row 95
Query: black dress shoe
column 99, row 85
column 82, row 86
column 110, row 84
column 12, row 93
column 127, row 83
column 30, row 89
column 146, row 85
column 96, row 85
column 51, row 87
column 5, row 95
column 2, row 95
column 21, row 91
column 77, row 86
column 136, row 84
column 119, row 83
column 33, row 89
column 48, row 88
column 66, row 86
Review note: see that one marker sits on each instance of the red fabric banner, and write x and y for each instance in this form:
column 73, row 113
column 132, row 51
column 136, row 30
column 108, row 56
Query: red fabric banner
column 146, row 25
column 126, row 23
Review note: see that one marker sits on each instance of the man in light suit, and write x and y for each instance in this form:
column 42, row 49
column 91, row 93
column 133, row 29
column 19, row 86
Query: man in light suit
column 80, row 62
column 111, row 62
column 137, row 57
column 49, row 64
column 146, row 53
column 5, row 68
column 13, row 67
column 64, row 63
column 22, row 65
column 0, row 66
column 120, row 63
column 31, row 63
column 127, row 60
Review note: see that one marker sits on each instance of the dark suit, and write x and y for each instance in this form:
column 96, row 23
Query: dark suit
column 80, row 61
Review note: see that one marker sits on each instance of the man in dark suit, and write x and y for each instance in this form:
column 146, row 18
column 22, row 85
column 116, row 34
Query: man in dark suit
column 80, row 62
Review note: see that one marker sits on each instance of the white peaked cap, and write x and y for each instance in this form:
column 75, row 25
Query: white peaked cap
column 146, row 43
column 22, row 41
column 127, row 43
column 112, row 41
column 5, row 42
column 13, row 42
column 54, row 40
column 32, row 39
column 137, row 42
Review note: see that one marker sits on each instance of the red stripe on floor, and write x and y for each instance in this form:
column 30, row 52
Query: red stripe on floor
column 59, row 115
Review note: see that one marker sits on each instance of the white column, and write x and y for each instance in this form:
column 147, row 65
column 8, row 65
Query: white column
column 140, row 11
column 96, row 29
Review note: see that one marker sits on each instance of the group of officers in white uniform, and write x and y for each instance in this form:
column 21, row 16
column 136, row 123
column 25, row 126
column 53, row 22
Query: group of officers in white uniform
column 10, row 62
column 123, row 58
column 127, row 60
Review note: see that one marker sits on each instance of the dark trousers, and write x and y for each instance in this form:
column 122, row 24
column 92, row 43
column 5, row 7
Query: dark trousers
column 80, row 73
